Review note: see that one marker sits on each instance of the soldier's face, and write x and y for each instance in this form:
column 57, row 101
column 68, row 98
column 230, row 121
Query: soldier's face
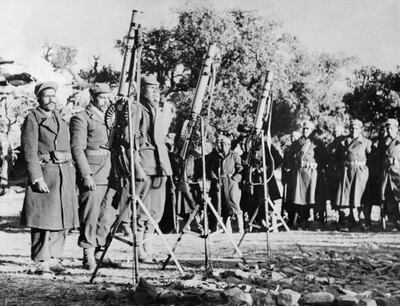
column 355, row 130
column 101, row 101
column 152, row 92
column 47, row 99
column 391, row 130
column 224, row 147
column 306, row 131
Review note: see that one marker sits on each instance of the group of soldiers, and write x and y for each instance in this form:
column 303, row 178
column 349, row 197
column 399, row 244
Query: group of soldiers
column 352, row 172
column 75, row 181
column 72, row 179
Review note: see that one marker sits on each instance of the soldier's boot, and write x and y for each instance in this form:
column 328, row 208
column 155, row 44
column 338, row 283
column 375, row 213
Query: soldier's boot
column 240, row 224
column 143, row 257
column 88, row 261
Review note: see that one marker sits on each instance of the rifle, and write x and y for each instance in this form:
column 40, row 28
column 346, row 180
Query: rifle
column 253, row 140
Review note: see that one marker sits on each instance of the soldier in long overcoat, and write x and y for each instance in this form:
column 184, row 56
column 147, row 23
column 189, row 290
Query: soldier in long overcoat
column 389, row 151
column 89, row 137
column 308, row 158
column 50, row 204
column 225, row 172
column 351, row 156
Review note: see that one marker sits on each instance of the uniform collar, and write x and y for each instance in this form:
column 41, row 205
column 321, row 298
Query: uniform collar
column 95, row 113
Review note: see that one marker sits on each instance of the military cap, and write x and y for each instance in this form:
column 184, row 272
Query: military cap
column 223, row 139
column 308, row 124
column 392, row 121
column 99, row 88
column 44, row 85
column 149, row 79
column 356, row 122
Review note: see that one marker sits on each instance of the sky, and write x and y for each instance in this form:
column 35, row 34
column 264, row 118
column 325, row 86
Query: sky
column 369, row 29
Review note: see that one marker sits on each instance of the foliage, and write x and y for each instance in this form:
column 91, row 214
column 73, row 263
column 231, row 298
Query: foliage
column 305, row 85
column 375, row 96
column 60, row 57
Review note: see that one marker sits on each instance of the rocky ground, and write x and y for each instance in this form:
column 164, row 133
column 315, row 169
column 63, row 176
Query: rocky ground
column 331, row 268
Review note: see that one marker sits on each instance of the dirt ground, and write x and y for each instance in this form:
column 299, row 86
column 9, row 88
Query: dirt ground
column 336, row 253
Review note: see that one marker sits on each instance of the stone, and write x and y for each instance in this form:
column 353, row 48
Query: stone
column 386, row 302
column 318, row 298
column 346, row 300
column 232, row 280
column 276, row 276
column 237, row 296
column 309, row 277
column 288, row 297
column 367, row 302
column 145, row 292
column 242, row 274
column 184, row 284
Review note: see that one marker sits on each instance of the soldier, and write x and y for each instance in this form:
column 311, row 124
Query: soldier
column 389, row 151
column 333, row 167
column 308, row 155
column 287, row 172
column 93, row 162
column 152, row 164
column 351, row 157
column 225, row 171
column 50, row 204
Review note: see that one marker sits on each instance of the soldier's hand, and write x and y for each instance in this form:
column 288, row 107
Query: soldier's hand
column 140, row 175
column 41, row 186
column 88, row 182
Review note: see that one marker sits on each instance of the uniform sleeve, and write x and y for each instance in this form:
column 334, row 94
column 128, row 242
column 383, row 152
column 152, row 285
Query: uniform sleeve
column 238, row 168
column 29, row 143
column 78, row 128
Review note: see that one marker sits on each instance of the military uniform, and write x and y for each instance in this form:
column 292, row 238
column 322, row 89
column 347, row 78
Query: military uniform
column 390, row 179
column 309, row 158
column 45, row 144
column 351, row 156
column 225, row 172
column 88, row 138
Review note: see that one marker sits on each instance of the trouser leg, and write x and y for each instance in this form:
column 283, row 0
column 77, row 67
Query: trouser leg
column 90, row 204
column 107, row 216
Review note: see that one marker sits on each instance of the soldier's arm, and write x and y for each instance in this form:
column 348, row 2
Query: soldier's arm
column 79, row 133
column 29, row 143
column 237, row 176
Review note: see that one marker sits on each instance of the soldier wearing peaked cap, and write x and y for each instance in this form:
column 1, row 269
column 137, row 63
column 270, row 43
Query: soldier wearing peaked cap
column 389, row 152
column 351, row 156
column 309, row 157
column 50, row 204
column 88, row 138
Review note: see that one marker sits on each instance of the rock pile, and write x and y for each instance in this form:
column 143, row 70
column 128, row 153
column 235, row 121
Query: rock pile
column 328, row 278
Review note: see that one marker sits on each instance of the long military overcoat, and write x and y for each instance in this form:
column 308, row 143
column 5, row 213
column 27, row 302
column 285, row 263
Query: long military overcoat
column 351, row 156
column 390, row 157
column 57, row 209
column 308, row 158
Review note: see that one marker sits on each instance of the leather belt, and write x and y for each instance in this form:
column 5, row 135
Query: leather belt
column 355, row 163
column 96, row 152
column 310, row 165
column 57, row 157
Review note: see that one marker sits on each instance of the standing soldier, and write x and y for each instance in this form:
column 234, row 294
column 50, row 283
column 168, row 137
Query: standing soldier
column 389, row 152
column 351, row 157
column 93, row 162
column 225, row 170
column 152, row 164
column 287, row 181
column 50, row 204
column 308, row 156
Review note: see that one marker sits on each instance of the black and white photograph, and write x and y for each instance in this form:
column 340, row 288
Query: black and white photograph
column 199, row 152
